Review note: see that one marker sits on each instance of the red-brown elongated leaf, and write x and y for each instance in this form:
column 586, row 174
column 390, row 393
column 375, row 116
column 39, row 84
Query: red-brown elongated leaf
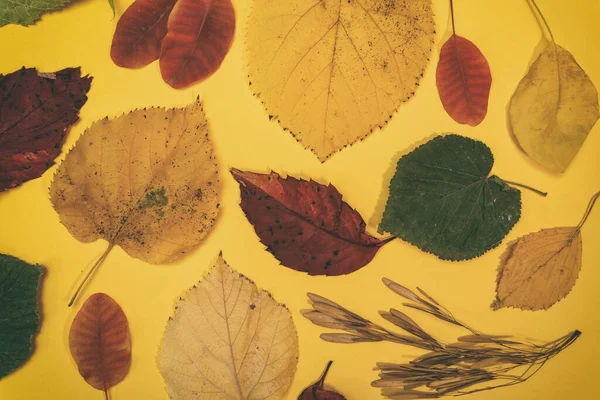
column 306, row 225
column 36, row 111
column 463, row 81
column 100, row 342
column 140, row 32
column 198, row 39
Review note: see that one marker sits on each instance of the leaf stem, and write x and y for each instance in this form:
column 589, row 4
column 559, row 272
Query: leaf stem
column 389, row 239
column 588, row 209
column 452, row 15
column 91, row 271
column 544, row 194
column 543, row 18
column 106, row 394
column 321, row 381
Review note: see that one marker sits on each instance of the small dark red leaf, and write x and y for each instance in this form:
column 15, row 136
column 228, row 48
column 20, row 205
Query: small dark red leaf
column 306, row 225
column 140, row 32
column 463, row 81
column 317, row 391
column 36, row 110
column 198, row 39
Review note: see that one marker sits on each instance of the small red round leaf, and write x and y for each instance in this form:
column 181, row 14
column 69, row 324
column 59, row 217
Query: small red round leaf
column 100, row 342
column 199, row 36
column 140, row 32
column 463, row 81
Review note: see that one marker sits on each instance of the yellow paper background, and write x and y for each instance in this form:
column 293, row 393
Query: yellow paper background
column 506, row 32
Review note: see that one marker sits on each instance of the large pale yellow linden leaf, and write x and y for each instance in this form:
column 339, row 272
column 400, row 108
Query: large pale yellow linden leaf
column 539, row 269
column 333, row 70
column 553, row 109
column 146, row 181
column 228, row 340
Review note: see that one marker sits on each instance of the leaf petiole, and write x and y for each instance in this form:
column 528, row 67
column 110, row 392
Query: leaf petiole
column 543, row 19
column 452, row 15
column 91, row 271
column 321, row 381
column 588, row 209
column 544, row 194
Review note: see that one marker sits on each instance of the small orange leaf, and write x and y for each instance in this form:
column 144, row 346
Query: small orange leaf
column 100, row 342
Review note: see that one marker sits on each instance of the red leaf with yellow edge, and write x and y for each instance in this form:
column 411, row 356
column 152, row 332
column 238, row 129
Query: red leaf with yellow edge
column 140, row 32
column 198, row 39
column 100, row 342
column 306, row 225
column 463, row 81
column 36, row 112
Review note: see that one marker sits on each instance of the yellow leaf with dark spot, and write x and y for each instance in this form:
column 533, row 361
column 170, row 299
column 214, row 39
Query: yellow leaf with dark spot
column 331, row 71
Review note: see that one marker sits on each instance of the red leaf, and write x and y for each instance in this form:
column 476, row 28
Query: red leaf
column 140, row 32
column 198, row 39
column 36, row 110
column 100, row 342
column 306, row 225
column 463, row 81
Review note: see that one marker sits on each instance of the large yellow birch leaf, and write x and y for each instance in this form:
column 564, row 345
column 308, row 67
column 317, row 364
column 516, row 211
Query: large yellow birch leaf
column 553, row 109
column 333, row 70
column 228, row 340
column 539, row 269
column 146, row 181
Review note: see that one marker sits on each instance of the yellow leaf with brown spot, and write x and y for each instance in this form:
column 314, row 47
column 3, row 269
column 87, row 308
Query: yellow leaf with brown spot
column 146, row 181
column 331, row 71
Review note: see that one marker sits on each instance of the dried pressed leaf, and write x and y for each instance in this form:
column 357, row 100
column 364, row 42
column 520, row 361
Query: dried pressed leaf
column 37, row 109
column 463, row 80
column 227, row 339
column 140, row 32
column 19, row 311
column 554, row 108
column 332, row 71
column 305, row 225
column 199, row 34
column 443, row 200
column 452, row 369
column 539, row 269
column 146, row 181
column 100, row 342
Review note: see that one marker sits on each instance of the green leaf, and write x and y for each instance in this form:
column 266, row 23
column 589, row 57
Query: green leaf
column 19, row 316
column 26, row 12
column 442, row 200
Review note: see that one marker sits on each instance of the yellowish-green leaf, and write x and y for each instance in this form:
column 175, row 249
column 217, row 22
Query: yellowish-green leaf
column 331, row 71
column 228, row 340
column 554, row 108
column 539, row 269
column 146, row 181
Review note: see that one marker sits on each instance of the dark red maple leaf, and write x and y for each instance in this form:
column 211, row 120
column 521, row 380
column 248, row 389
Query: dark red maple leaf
column 140, row 32
column 306, row 225
column 198, row 39
column 463, row 79
column 36, row 111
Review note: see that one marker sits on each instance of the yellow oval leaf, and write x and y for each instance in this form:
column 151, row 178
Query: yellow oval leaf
column 553, row 109
column 146, row 181
column 228, row 340
column 539, row 269
column 333, row 70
